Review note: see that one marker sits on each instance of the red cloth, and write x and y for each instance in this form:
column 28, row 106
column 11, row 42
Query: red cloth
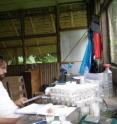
column 97, row 45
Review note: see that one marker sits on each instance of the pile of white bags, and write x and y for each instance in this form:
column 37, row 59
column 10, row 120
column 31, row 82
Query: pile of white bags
column 73, row 94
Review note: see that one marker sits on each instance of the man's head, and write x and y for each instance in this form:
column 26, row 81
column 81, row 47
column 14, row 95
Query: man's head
column 3, row 67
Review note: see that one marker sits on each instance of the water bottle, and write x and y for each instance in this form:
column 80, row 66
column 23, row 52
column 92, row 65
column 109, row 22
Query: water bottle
column 86, row 71
column 108, row 87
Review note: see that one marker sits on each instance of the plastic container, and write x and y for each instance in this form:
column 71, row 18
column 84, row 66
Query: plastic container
column 108, row 87
column 83, row 121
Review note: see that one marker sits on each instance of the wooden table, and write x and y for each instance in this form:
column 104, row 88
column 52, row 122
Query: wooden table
column 29, row 119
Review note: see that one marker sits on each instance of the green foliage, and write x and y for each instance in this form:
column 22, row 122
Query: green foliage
column 46, row 59
column 34, row 59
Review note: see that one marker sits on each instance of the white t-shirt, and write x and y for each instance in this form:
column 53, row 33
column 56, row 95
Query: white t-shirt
column 7, row 106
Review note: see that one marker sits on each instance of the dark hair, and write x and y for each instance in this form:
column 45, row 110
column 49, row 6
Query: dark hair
column 2, row 60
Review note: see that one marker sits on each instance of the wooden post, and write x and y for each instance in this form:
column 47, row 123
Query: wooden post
column 106, row 52
column 57, row 23
column 22, row 33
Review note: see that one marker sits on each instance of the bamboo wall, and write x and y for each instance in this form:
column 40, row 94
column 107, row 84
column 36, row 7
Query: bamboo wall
column 46, row 72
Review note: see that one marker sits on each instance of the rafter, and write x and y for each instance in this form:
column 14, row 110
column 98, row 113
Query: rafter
column 72, row 19
column 40, row 45
column 34, row 31
column 11, row 38
column 32, row 25
column 53, row 22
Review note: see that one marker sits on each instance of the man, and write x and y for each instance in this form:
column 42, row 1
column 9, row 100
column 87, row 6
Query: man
column 7, row 106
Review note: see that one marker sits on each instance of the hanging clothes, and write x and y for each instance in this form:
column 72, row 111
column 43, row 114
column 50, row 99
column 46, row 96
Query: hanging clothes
column 86, row 62
column 97, row 45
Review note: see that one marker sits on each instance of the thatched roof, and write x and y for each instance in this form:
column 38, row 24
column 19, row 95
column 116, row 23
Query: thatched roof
column 35, row 30
column 8, row 5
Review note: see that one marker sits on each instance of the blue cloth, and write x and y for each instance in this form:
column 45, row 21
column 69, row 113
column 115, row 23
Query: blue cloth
column 86, row 62
column 114, row 121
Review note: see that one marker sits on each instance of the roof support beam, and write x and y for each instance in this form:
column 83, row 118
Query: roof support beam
column 34, row 31
column 40, row 35
column 39, row 11
column 11, row 38
column 22, row 33
column 105, row 4
column 90, row 12
column 57, row 24
column 72, row 19
column 53, row 23
column 73, row 2
column 40, row 45
column 33, row 27
column 74, row 28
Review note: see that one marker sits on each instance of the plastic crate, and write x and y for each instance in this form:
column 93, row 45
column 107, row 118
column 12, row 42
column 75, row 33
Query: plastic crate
column 83, row 121
column 114, row 121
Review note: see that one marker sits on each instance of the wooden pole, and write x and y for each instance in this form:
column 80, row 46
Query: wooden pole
column 57, row 23
column 22, row 33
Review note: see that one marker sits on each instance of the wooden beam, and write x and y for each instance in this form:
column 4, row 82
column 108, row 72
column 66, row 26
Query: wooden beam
column 72, row 19
column 37, row 14
column 11, row 38
column 33, row 27
column 22, row 33
column 90, row 12
column 105, row 38
column 74, row 28
column 37, row 11
column 6, row 17
column 40, row 45
column 53, row 23
column 97, row 7
column 27, row 12
column 57, row 23
column 75, row 2
column 40, row 35
column 73, row 10
column 34, row 31
column 105, row 5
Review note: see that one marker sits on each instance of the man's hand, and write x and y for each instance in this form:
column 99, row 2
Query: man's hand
column 21, row 102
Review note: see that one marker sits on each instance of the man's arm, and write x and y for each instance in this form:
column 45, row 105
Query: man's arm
column 8, row 120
